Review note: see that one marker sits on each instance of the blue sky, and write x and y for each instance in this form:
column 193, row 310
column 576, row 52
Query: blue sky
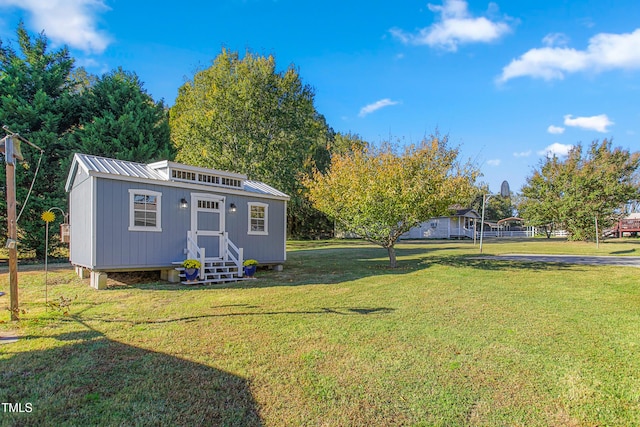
column 509, row 81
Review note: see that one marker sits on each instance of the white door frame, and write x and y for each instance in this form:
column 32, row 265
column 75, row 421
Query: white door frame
column 195, row 208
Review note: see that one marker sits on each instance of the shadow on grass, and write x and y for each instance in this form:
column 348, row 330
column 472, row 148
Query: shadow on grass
column 342, row 265
column 331, row 265
column 252, row 310
column 96, row 381
column 309, row 266
column 629, row 251
column 496, row 264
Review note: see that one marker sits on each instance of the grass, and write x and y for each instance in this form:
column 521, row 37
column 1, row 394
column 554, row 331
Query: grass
column 338, row 339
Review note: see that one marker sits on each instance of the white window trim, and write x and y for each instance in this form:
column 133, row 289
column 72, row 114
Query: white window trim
column 266, row 219
column 132, row 227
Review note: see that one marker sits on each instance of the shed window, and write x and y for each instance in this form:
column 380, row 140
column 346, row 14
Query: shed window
column 210, row 205
column 258, row 218
column 144, row 210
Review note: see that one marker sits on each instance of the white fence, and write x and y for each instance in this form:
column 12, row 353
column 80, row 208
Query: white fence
column 508, row 233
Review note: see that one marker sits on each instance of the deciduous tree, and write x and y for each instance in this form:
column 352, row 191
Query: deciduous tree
column 496, row 207
column 243, row 115
column 379, row 194
column 589, row 184
column 540, row 200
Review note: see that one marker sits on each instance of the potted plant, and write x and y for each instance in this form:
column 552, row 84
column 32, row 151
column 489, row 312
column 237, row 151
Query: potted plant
column 250, row 267
column 191, row 268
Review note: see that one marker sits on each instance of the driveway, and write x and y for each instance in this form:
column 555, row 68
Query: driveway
column 627, row 261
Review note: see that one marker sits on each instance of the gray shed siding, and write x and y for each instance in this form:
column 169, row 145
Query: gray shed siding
column 269, row 249
column 80, row 247
column 119, row 248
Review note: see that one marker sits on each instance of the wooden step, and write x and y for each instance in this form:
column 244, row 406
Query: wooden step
column 213, row 282
column 216, row 274
column 215, row 271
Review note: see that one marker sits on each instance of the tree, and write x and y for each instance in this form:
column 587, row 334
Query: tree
column 540, row 200
column 343, row 143
column 496, row 208
column 244, row 116
column 379, row 194
column 63, row 110
column 81, row 80
column 36, row 101
column 586, row 186
column 309, row 221
column 121, row 120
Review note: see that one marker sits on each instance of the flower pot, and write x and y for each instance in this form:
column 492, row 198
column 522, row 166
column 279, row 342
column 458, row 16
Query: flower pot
column 249, row 271
column 191, row 273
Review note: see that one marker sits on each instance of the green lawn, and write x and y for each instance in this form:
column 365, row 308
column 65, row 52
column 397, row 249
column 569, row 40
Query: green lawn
column 338, row 339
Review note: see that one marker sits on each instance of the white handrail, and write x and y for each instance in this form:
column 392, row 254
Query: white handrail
column 230, row 252
column 195, row 252
column 236, row 259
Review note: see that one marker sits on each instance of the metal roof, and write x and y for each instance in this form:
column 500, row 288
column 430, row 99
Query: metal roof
column 139, row 170
column 469, row 213
column 117, row 167
column 262, row 188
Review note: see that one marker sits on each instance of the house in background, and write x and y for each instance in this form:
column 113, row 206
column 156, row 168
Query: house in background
column 127, row 216
column 627, row 226
column 459, row 225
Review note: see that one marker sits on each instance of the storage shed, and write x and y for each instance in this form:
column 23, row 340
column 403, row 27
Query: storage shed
column 127, row 216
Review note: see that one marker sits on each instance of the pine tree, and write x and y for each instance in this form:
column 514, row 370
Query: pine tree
column 121, row 120
column 37, row 101
column 64, row 110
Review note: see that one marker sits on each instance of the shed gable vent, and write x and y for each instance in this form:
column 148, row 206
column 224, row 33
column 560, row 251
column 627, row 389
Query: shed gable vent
column 218, row 180
column 183, row 175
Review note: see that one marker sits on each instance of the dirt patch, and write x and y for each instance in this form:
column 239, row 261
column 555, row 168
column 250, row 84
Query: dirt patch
column 132, row 278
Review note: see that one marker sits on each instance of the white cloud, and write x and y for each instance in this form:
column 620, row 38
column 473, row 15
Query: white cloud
column 522, row 154
column 556, row 130
column 71, row 22
column 368, row 109
column 494, row 162
column 587, row 22
column 87, row 63
column 456, row 26
column 556, row 149
column 598, row 123
column 605, row 52
column 555, row 39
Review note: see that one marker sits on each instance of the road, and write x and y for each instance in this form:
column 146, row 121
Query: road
column 627, row 261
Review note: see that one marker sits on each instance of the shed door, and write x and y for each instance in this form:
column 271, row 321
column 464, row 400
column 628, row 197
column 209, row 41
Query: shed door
column 207, row 223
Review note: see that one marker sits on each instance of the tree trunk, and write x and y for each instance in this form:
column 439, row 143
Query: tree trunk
column 548, row 229
column 392, row 256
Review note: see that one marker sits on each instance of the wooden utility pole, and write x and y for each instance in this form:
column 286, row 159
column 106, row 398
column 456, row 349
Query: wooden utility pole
column 10, row 146
column 12, row 226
